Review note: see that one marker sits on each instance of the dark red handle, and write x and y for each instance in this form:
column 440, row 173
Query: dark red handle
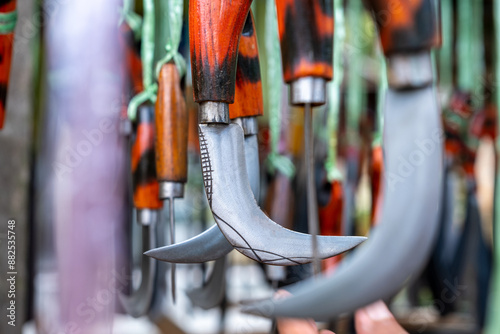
column 6, row 46
column 306, row 37
column 406, row 26
column 143, row 161
column 214, row 30
column 248, row 97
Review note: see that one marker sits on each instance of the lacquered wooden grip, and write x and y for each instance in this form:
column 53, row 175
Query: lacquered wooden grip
column 171, row 127
column 6, row 47
column 248, row 95
column 143, row 161
column 214, row 30
column 406, row 26
column 306, row 37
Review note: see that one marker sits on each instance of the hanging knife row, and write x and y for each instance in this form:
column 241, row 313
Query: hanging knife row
column 309, row 125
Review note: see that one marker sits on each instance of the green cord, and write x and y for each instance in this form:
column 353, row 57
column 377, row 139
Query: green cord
column 355, row 93
column 274, row 160
column 147, row 56
column 333, row 173
column 175, row 11
column 8, row 22
column 382, row 89
column 493, row 321
column 133, row 19
column 446, row 51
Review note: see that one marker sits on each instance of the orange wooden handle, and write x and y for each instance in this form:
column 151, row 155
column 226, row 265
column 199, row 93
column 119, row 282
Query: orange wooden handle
column 214, row 30
column 6, row 47
column 171, row 127
column 406, row 26
column 143, row 166
column 306, row 37
column 248, row 96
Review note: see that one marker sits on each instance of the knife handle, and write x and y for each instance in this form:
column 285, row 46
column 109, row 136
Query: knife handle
column 171, row 127
column 248, row 96
column 406, row 26
column 6, row 47
column 306, row 37
column 215, row 27
column 143, row 161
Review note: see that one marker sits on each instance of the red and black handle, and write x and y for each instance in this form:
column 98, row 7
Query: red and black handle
column 143, row 161
column 406, row 26
column 248, row 96
column 6, row 47
column 215, row 27
column 171, row 127
column 306, row 37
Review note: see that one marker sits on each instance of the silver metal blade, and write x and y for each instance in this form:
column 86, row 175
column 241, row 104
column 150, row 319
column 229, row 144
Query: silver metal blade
column 402, row 243
column 207, row 246
column 210, row 295
column 211, row 244
column 252, row 163
column 237, row 214
column 138, row 302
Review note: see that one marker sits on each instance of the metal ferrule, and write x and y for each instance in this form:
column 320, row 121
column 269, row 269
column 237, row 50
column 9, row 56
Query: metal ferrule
column 213, row 112
column 308, row 90
column 146, row 217
column 169, row 190
column 249, row 125
column 410, row 71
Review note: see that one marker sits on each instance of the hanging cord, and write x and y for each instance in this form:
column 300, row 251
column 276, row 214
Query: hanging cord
column 493, row 321
column 8, row 22
column 470, row 55
column 147, row 55
column 274, row 160
column 446, row 51
column 355, row 92
column 175, row 11
column 382, row 89
column 333, row 173
column 133, row 19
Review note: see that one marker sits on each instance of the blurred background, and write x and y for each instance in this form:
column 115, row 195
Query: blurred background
column 66, row 180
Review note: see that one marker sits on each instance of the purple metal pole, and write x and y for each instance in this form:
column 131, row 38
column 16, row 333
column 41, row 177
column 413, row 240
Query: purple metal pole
column 84, row 87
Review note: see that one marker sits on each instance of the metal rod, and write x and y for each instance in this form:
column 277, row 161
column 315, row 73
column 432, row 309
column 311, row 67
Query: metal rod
column 312, row 204
column 172, row 241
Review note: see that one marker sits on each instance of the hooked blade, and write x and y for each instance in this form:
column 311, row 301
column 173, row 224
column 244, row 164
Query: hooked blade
column 137, row 304
column 396, row 250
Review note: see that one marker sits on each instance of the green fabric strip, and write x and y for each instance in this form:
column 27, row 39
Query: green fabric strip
column 333, row 173
column 174, row 10
column 493, row 320
column 8, row 22
column 274, row 160
column 147, row 56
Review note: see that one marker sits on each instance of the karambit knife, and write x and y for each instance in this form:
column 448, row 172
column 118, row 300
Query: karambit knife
column 212, row 245
column 8, row 18
column 222, row 144
column 248, row 104
column 413, row 165
column 147, row 204
column 171, row 143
